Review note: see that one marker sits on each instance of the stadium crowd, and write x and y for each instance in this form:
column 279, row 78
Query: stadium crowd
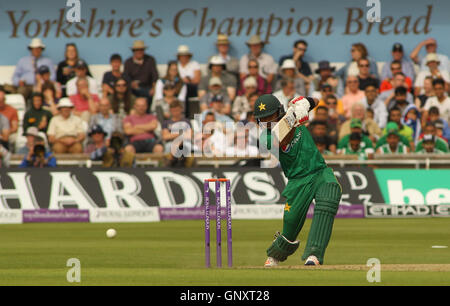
column 402, row 108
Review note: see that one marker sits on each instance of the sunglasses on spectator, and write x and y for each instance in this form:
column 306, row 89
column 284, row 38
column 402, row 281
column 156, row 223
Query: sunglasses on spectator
column 364, row 65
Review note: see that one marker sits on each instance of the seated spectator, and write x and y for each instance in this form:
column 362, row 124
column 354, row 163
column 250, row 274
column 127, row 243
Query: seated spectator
column 216, row 90
column 38, row 157
column 267, row 66
column 434, row 116
column 393, row 145
column 430, row 45
column 223, row 47
column 212, row 140
column 322, row 114
column 433, row 70
column 388, row 96
column 122, row 100
column 356, row 126
column 334, row 118
column 81, row 72
column 32, row 133
column 97, row 142
column 440, row 100
column 364, row 76
column 141, row 70
column 358, row 51
column 440, row 126
column 4, row 131
column 326, row 91
column 395, row 115
column 240, row 145
column 11, row 115
column 43, row 76
column 321, row 144
column 302, row 66
column 320, row 129
column 411, row 117
column 369, row 126
column 289, row 70
column 161, row 106
column 140, row 128
column 189, row 71
column 440, row 143
column 217, row 68
column 353, row 95
column 66, row 131
column 325, row 72
column 219, row 106
column 398, row 55
column 355, row 147
column 106, row 119
column 387, row 84
column 37, row 116
column 85, row 103
column 400, row 99
column 372, row 102
column 24, row 76
column 110, row 77
column 287, row 92
column 66, row 68
column 49, row 98
column 429, row 145
column 241, row 104
column 427, row 93
column 263, row 87
column 249, row 116
column 172, row 76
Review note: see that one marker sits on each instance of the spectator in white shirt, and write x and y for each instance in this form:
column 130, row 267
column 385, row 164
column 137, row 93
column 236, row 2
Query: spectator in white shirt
column 433, row 70
column 189, row 70
column 440, row 100
column 430, row 45
column 267, row 66
column 81, row 71
column 287, row 92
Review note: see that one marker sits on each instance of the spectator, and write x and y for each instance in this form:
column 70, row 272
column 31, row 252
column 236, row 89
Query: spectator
column 189, row 71
column 263, row 86
column 298, row 53
column 429, row 146
column 358, row 51
column 24, row 76
column 11, row 114
column 396, row 67
column 439, row 124
column 430, row 45
column 326, row 90
column 172, row 76
column 267, row 66
column 223, row 47
column 177, row 133
column 66, row 68
column 32, row 133
column 355, row 147
column 320, row 129
column 287, row 92
column 241, row 104
column 43, row 77
column 371, row 101
column 427, row 93
column 240, row 145
column 216, row 105
column 212, row 141
column 400, row 99
column 393, row 145
column 321, row 144
column 4, row 131
column 162, row 106
column 434, row 116
column 388, row 96
column 106, row 119
column 322, row 114
column 141, row 70
column 440, row 100
column 38, row 157
column 411, row 117
column 395, row 115
column 398, row 55
column 440, row 143
column 364, row 76
column 289, row 70
column 50, row 101
column 353, row 95
column 37, row 116
column 81, row 72
column 66, row 131
column 97, row 145
column 215, row 90
column 369, row 126
column 334, row 118
column 122, row 100
column 110, row 77
column 85, row 103
column 325, row 72
column 5, row 157
column 140, row 128
column 217, row 68
column 433, row 70
column 356, row 126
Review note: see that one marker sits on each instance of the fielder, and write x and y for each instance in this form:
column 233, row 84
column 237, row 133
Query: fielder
column 308, row 178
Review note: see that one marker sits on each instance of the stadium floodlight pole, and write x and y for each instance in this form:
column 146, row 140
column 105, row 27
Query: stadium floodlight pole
column 218, row 225
column 207, row 226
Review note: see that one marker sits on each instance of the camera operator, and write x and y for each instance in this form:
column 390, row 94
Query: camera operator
column 38, row 157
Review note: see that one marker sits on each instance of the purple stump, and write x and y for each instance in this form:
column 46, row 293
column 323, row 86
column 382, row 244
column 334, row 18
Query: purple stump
column 229, row 243
column 218, row 226
column 207, row 226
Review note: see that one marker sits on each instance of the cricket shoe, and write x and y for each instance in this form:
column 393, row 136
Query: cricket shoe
column 312, row 261
column 270, row 262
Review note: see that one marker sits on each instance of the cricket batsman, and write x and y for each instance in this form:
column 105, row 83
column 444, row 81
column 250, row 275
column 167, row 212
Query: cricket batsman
column 308, row 178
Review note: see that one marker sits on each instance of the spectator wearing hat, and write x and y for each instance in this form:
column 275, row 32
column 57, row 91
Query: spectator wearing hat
column 430, row 45
column 223, row 48
column 298, row 56
column 358, row 51
column 66, row 68
column 364, row 76
column 172, row 76
column 189, row 70
column 387, row 84
column 81, row 72
column 38, row 156
column 43, row 77
column 393, row 145
column 357, row 147
column 398, row 55
column 434, row 116
column 429, row 145
column 216, row 90
column 241, row 104
column 110, row 77
column 122, row 100
column 368, row 125
column 287, row 92
column 267, row 66
column 354, row 125
column 217, row 68
column 66, row 131
column 289, row 70
column 162, row 106
column 37, row 116
column 353, row 95
column 10, row 113
column 263, row 87
column 388, row 96
column 85, row 103
column 24, row 76
column 334, row 105
column 106, row 119
column 325, row 72
column 434, row 71
column 31, row 134
column 395, row 116
column 372, row 101
column 440, row 100
column 97, row 145
column 218, row 105
column 440, row 142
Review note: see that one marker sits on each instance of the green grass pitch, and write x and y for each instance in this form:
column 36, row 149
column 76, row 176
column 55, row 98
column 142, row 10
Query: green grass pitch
column 172, row 253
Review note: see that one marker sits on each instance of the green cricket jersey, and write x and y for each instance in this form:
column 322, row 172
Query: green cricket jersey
column 345, row 142
column 435, row 151
column 440, row 144
column 363, row 153
column 383, row 141
column 401, row 149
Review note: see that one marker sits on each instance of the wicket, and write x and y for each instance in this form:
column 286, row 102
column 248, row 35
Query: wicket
column 218, row 222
